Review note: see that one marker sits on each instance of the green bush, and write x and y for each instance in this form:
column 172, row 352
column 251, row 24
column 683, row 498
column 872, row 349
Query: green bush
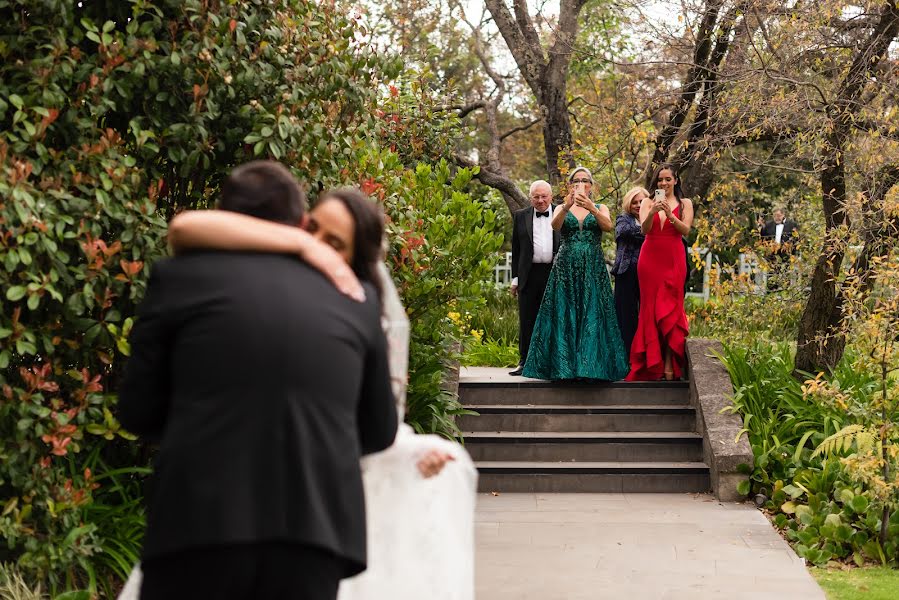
column 117, row 114
column 489, row 353
column 498, row 319
column 114, row 115
column 822, row 511
column 441, row 254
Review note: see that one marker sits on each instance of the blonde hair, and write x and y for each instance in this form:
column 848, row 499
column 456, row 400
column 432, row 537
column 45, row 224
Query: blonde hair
column 626, row 201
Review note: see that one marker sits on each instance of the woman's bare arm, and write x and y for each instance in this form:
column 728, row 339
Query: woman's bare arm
column 225, row 230
column 647, row 214
column 561, row 211
column 685, row 222
column 603, row 217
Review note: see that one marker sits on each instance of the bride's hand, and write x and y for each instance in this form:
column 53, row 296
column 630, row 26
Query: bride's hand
column 433, row 462
column 325, row 259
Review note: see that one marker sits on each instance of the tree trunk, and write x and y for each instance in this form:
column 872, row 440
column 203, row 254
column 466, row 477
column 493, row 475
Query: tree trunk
column 544, row 70
column 557, row 138
column 816, row 347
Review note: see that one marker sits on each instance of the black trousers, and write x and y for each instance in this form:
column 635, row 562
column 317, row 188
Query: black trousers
column 627, row 305
column 261, row 571
column 529, row 300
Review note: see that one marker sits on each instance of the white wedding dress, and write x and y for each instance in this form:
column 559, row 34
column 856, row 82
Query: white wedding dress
column 420, row 531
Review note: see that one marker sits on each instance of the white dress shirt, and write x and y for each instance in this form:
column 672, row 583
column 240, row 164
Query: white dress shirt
column 543, row 239
column 778, row 232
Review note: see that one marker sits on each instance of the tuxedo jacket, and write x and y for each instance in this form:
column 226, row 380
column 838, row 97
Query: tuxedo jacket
column 790, row 232
column 523, row 244
column 263, row 386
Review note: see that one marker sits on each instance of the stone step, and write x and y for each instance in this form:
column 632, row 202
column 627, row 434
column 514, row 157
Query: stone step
column 666, row 446
column 592, row 477
column 541, row 392
column 510, row 417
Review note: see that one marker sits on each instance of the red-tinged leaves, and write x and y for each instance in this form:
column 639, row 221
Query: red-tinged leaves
column 131, row 268
column 232, row 25
column 36, row 379
column 370, row 186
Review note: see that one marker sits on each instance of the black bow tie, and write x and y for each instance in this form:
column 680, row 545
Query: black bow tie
column 543, row 214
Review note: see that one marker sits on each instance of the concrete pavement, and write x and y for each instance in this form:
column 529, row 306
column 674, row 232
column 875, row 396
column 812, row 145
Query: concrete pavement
column 633, row 547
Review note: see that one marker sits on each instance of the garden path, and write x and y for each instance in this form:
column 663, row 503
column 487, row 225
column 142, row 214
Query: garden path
column 632, row 547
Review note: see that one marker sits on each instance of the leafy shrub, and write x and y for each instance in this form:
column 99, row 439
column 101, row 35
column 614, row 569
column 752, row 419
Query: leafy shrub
column 498, row 319
column 114, row 115
column 734, row 305
column 481, row 352
column 441, row 254
column 822, row 510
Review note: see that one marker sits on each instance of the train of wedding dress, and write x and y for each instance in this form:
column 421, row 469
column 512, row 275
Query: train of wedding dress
column 420, row 531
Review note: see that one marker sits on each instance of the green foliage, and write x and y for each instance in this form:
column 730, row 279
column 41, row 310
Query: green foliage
column 441, row 253
column 494, row 331
column 822, row 510
column 498, row 319
column 490, row 353
column 114, row 115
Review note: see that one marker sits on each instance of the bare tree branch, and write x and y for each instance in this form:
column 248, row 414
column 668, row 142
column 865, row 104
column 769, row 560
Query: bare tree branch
column 520, row 128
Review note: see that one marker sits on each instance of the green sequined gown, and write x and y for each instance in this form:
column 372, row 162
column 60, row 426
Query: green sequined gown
column 576, row 335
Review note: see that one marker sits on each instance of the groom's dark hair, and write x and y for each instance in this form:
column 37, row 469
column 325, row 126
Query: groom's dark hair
column 265, row 189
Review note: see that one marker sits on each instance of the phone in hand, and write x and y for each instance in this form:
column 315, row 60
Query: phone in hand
column 658, row 195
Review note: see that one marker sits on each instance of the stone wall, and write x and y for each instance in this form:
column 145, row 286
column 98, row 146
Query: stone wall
column 710, row 393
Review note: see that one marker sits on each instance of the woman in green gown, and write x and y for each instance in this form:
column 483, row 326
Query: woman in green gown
column 576, row 335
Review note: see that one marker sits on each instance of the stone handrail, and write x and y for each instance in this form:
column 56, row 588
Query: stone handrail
column 710, row 392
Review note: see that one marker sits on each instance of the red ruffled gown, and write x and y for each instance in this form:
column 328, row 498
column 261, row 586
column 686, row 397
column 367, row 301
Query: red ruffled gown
column 661, row 271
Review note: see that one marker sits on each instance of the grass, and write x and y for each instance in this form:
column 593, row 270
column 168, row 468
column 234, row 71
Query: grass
column 859, row 584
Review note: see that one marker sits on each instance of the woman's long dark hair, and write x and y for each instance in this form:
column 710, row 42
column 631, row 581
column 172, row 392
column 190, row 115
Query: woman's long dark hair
column 654, row 182
column 369, row 231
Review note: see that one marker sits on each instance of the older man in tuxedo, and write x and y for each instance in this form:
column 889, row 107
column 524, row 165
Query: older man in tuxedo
column 780, row 236
column 780, row 231
column 534, row 244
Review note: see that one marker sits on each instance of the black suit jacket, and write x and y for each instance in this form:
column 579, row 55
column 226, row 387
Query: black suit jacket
column 789, row 235
column 263, row 386
column 523, row 244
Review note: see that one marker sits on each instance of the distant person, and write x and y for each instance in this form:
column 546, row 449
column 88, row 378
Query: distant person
column 534, row 245
column 780, row 231
column 779, row 236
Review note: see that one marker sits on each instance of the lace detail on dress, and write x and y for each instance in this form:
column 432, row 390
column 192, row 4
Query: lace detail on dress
column 576, row 335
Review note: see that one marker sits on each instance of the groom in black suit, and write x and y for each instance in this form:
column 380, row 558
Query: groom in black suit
column 534, row 244
column 263, row 386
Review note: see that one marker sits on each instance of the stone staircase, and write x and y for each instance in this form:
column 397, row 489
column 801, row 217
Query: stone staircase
column 537, row 436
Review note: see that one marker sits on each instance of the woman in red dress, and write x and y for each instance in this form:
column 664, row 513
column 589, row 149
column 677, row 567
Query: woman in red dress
column 666, row 216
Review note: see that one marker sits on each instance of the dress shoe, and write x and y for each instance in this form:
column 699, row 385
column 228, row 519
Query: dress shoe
column 516, row 372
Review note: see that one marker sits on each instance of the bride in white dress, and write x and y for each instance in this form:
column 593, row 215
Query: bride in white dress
column 419, row 493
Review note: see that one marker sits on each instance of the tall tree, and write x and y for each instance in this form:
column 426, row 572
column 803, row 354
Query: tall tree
column 545, row 70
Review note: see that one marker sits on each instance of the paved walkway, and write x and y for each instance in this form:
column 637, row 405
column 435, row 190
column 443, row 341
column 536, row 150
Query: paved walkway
column 632, row 547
